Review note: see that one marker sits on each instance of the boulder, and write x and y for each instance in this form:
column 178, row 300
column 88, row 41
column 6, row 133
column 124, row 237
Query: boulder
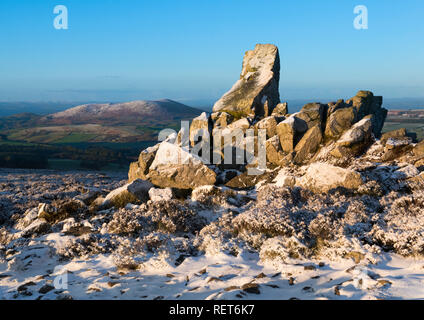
column 134, row 192
column 175, row 167
column 289, row 131
column 360, row 133
column 282, row 109
column 396, row 147
column 399, row 133
column 256, row 92
column 339, row 121
column 270, row 124
column 323, row 177
column 274, row 153
column 313, row 114
column 308, row 145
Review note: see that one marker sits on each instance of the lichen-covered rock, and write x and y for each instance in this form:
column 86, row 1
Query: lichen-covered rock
column 322, row 177
column 256, row 93
column 308, row 145
column 175, row 167
column 339, row 121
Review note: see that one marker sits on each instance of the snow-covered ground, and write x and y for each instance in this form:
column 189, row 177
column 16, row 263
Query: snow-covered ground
column 268, row 243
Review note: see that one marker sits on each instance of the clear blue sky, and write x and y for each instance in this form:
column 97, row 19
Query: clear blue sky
column 191, row 49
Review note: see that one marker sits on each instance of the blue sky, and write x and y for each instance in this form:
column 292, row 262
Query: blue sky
column 192, row 50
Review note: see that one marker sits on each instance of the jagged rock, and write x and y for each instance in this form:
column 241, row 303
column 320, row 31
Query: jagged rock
column 156, row 194
column 256, row 93
column 134, row 192
column 359, row 133
column 199, row 128
column 308, row 144
column 221, row 119
column 274, row 153
column 140, row 169
column 289, row 130
column 282, row 109
column 175, row 167
column 270, row 124
column 313, row 114
column 322, row 177
column 339, row 121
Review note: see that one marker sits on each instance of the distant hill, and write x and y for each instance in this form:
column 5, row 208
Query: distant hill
column 123, row 113
column 128, row 122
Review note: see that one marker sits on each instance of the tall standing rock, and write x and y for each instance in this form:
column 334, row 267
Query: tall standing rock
column 256, row 92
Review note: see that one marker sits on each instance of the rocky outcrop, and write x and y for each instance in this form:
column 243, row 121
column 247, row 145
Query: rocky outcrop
column 256, row 92
column 335, row 134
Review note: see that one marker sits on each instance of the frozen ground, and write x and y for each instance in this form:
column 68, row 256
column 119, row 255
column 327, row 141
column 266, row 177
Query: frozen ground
column 268, row 243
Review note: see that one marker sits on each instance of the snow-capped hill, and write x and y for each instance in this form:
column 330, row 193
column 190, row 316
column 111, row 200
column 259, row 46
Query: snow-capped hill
column 123, row 112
